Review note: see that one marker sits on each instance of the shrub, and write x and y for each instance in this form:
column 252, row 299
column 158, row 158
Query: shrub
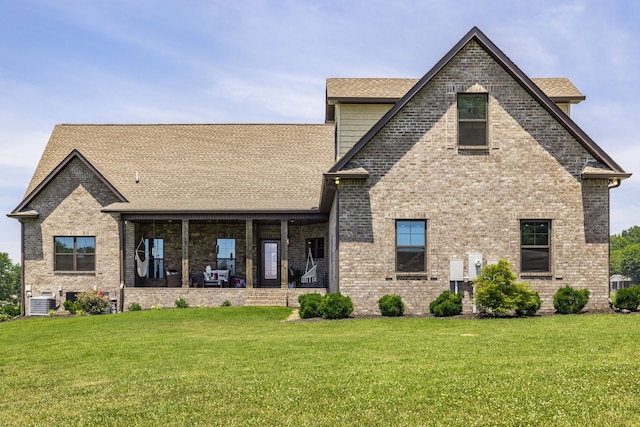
column 10, row 310
column 496, row 290
column 72, row 306
column 134, row 306
column 156, row 307
column 570, row 301
column 182, row 303
column 4, row 317
column 226, row 303
column 51, row 313
column 628, row 298
column 336, row 306
column 309, row 305
column 526, row 301
column 447, row 304
column 391, row 305
column 92, row 302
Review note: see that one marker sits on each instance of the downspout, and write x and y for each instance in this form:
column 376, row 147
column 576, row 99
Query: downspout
column 614, row 183
column 336, row 185
column 23, row 297
column 121, row 231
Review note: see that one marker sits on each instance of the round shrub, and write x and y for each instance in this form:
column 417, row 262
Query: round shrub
column 570, row 301
column 526, row 302
column 447, row 304
column 309, row 305
column 391, row 305
column 134, row 306
column 336, row 306
column 628, row 298
column 92, row 302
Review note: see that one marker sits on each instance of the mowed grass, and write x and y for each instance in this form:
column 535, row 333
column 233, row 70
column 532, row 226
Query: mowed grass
column 246, row 366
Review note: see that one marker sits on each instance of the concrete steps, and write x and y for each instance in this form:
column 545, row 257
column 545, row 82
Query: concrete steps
column 266, row 297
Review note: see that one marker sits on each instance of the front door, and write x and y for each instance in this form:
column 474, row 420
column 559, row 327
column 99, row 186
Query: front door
column 270, row 263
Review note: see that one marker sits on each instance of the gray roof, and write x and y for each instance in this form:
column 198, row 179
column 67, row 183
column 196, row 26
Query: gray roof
column 193, row 167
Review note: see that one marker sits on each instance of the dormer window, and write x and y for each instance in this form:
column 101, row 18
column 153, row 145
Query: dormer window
column 472, row 119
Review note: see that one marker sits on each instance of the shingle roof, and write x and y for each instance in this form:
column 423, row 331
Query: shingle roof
column 559, row 89
column 239, row 167
column 614, row 170
column 367, row 88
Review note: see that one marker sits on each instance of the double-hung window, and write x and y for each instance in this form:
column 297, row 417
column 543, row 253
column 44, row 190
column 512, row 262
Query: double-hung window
column 472, row 119
column 75, row 253
column 535, row 253
column 410, row 246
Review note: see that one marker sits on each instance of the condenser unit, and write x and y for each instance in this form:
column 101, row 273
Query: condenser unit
column 40, row 306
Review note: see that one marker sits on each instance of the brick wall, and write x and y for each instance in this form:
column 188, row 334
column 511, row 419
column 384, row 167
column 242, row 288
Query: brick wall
column 70, row 206
column 472, row 200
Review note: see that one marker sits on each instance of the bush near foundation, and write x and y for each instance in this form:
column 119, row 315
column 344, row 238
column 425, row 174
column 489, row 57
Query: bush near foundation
column 92, row 302
column 628, row 298
column 570, row 301
column 336, row 306
column 447, row 304
column 391, row 305
column 497, row 292
column 309, row 305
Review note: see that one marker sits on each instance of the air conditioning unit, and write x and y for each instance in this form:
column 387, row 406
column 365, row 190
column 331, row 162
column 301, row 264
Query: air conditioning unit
column 40, row 306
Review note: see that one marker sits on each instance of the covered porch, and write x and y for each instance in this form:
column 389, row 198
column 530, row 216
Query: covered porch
column 213, row 252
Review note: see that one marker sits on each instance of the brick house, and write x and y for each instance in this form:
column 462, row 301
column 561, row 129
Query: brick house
column 409, row 187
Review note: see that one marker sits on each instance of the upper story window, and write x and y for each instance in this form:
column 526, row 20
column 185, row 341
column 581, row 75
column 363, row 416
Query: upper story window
column 75, row 253
column 411, row 240
column 472, row 119
column 535, row 253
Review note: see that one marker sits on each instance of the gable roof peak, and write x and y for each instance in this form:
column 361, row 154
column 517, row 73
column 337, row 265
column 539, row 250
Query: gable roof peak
column 514, row 71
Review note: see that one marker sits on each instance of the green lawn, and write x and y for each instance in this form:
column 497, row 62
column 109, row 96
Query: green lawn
column 247, row 366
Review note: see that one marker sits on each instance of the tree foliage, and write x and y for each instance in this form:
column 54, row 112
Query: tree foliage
column 9, row 277
column 625, row 253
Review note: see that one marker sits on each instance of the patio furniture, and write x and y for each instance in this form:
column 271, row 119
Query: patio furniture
column 173, row 278
column 309, row 275
column 215, row 277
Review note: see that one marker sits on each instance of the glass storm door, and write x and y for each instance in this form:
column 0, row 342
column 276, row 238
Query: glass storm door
column 270, row 263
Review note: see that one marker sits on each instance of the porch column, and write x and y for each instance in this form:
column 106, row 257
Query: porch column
column 185, row 253
column 249, row 254
column 284, row 254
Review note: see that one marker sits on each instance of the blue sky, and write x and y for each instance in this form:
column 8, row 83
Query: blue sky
column 236, row 61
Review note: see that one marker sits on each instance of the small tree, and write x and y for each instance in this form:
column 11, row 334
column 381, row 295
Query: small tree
column 9, row 277
column 496, row 290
